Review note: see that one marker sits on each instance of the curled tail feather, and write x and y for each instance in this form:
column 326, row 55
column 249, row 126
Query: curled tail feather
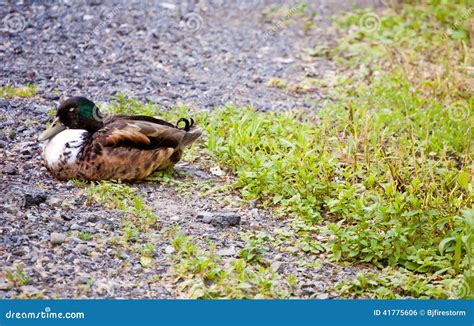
column 188, row 123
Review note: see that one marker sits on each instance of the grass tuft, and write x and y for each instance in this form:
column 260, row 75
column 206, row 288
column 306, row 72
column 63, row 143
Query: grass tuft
column 9, row 91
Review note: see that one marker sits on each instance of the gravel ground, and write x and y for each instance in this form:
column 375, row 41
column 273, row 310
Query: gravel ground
column 203, row 54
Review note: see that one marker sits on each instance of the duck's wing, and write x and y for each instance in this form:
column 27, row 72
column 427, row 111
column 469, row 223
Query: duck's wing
column 140, row 134
column 118, row 117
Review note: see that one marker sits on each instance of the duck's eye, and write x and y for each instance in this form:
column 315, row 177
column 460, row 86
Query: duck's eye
column 71, row 109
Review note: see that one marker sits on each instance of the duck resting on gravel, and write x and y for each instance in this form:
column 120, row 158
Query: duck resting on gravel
column 82, row 144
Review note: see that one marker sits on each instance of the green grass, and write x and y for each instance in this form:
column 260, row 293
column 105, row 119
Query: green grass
column 9, row 91
column 202, row 274
column 84, row 236
column 138, row 219
column 18, row 277
column 394, row 284
column 427, row 42
column 383, row 197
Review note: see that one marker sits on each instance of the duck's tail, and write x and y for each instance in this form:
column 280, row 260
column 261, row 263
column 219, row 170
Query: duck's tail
column 191, row 136
column 192, row 133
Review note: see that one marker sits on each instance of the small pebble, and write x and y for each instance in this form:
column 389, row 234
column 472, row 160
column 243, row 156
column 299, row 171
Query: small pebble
column 226, row 251
column 322, row 296
column 9, row 169
column 54, row 201
column 169, row 250
column 57, row 238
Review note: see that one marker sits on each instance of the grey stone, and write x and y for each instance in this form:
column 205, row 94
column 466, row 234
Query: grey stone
column 75, row 227
column 226, row 251
column 54, row 201
column 82, row 249
column 4, row 285
column 33, row 196
column 75, row 240
column 57, row 238
column 169, row 250
column 276, row 266
column 201, row 215
column 29, row 289
column 66, row 204
column 226, row 219
column 4, row 103
column 176, row 218
column 31, row 217
column 9, row 169
column 322, row 296
column 82, row 280
column 208, row 218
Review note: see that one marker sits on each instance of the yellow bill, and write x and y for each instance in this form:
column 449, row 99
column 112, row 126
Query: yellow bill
column 55, row 128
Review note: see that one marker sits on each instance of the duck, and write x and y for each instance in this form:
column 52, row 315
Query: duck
column 82, row 143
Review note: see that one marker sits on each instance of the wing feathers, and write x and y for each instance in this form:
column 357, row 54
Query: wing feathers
column 142, row 134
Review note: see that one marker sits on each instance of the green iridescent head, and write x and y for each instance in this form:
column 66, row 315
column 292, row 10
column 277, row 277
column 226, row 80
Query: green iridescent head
column 75, row 113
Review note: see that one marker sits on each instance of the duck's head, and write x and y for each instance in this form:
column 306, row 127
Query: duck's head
column 74, row 113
